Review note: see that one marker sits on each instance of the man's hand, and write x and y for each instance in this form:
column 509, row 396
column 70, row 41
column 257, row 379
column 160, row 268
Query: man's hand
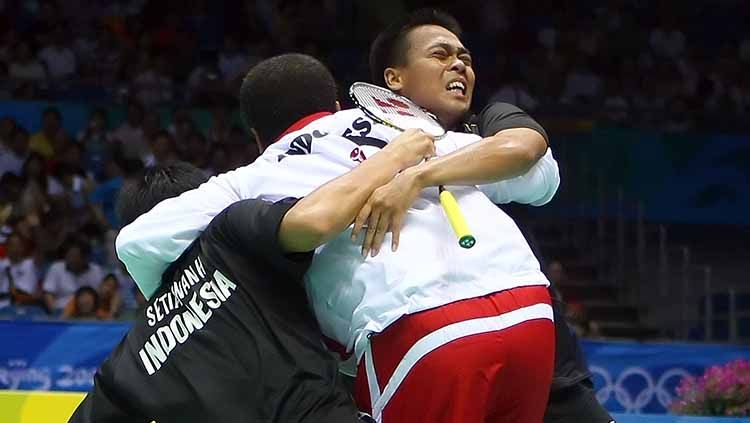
column 411, row 147
column 385, row 211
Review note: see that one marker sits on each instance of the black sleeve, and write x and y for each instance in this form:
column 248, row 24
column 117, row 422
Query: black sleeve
column 499, row 116
column 252, row 226
column 102, row 406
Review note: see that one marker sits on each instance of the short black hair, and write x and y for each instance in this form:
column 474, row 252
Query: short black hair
column 88, row 290
column 390, row 46
column 279, row 91
column 156, row 184
column 76, row 242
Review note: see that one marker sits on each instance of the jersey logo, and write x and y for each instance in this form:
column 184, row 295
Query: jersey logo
column 301, row 144
column 359, row 131
column 357, row 155
column 393, row 105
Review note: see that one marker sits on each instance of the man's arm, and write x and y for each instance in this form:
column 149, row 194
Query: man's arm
column 512, row 143
column 330, row 209
column 512, row 163
column 287, row 227
column 155, row 239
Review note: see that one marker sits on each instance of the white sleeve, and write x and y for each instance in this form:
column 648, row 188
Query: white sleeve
column 50, row 284
column 28, row 282
column 157, row 238
column 535, row 187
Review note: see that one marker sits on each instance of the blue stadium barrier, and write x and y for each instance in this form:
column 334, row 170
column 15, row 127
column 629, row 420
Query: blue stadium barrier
column 630, row 377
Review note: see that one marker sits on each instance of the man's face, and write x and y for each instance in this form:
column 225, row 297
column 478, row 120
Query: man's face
column 85, row 303
column 50, row 123
column 15, row 248
column 74, row 260
column 437, row 73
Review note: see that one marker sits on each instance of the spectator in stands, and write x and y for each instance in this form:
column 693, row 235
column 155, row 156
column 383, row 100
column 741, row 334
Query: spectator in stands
column 104, row 195
column 7, row 128
column 196, row 150
column 83, row 304
column 25, row 67
column 182, row 126
column 108, row 57
column 515, row 91
column 582, row 85
column 74, row 194
column 574, row 310
column 8, row 40
column 667, row 40
column 5, row 86
column 96, row 143
column 38, row 186
column 110, row 301
column 233, row 61
column 14, row 151
column 66, row 276
column 46, row 17
column 163, row 149
column 58, row 57
column 220, row 162
column 204, row 84
column 616, row 106
column 153, row 85
column 220, row 127
column 129, row 136
column 11, row 189
column 18, row 274
column 43, row 142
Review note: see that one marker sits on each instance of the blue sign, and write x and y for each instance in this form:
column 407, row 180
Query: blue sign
column 629, row 377
column 54, row 356
column 641, row 378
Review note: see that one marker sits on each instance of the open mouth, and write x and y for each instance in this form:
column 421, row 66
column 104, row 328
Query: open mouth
column 457, row 87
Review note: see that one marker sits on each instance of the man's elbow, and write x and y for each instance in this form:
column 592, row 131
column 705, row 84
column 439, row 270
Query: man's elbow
column 302, row 232
column 535, row 146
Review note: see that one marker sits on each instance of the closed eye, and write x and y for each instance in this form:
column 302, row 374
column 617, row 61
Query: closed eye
column 440, row 54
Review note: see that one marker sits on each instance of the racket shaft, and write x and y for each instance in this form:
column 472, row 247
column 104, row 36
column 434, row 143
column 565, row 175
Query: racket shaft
column 455, row 217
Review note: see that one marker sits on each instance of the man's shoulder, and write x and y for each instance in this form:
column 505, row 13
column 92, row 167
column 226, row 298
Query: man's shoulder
column 27, row 262
column 57, row 265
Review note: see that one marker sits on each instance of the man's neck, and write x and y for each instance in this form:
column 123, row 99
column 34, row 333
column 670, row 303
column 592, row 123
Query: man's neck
column 301, row 123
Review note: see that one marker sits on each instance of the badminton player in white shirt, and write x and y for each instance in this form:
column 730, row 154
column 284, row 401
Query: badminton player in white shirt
column 489, row 304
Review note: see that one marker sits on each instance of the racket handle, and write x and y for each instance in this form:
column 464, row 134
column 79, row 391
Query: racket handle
column 456, row 219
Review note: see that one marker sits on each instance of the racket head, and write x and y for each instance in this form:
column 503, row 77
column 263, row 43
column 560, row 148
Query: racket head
column 394, row 110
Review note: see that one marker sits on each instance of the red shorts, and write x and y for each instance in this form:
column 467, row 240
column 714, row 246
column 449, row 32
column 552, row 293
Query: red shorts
column 487, row 359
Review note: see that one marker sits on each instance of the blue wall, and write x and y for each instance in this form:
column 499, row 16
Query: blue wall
column 630, row 377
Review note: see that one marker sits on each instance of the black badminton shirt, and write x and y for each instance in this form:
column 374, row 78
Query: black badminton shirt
column 570, row 363
column 228, row 337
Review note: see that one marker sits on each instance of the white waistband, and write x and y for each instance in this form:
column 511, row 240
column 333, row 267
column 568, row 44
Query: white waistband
column 438, row 338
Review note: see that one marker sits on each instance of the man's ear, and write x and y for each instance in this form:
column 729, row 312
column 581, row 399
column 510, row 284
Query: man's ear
column 393, row 79
column 338, row 106
column 261, row 147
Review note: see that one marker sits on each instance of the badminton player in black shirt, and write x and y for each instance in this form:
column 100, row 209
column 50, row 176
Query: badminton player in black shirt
column 229, row 336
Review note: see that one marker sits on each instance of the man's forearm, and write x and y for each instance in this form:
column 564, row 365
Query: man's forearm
column 507, row 154
column 330, row 209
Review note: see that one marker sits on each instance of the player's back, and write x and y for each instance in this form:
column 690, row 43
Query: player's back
column 227, row 337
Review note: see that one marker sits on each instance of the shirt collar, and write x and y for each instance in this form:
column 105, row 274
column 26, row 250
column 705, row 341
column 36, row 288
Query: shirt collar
column 302, row 123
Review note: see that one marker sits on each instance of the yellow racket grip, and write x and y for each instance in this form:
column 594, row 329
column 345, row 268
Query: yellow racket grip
column 457, row 219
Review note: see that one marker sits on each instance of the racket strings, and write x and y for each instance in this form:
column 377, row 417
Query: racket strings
column 394, row 110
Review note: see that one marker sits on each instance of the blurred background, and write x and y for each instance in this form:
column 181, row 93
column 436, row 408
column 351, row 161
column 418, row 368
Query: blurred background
column 647, row 104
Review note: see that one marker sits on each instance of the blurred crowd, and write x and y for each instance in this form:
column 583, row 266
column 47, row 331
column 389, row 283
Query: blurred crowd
column 58, row 194
column 664, row 63
column 661, row 64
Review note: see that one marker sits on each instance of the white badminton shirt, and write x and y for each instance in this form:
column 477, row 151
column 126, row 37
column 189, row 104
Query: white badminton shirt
column 352, row 296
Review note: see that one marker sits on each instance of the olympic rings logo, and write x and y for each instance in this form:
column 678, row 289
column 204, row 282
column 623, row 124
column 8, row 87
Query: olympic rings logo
column 629, row 394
